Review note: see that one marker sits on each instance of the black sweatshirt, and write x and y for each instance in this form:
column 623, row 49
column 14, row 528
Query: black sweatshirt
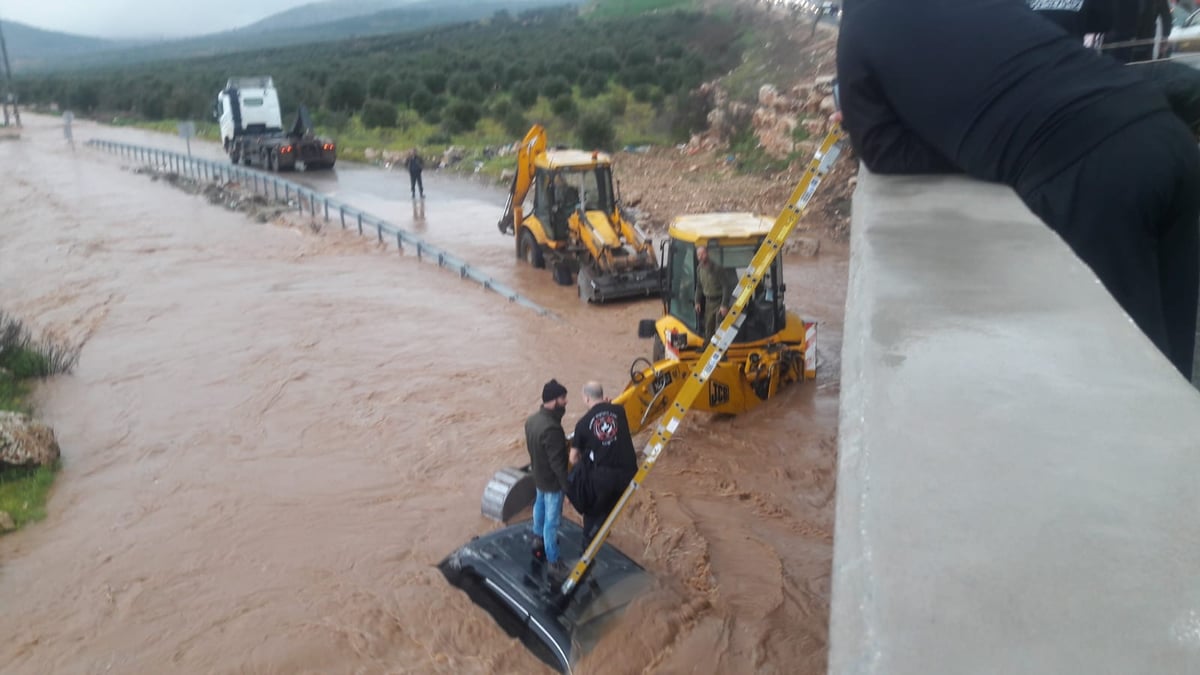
column 983, row 86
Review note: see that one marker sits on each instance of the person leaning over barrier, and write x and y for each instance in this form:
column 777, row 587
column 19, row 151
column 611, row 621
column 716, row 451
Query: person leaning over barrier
column 1090, row 146
column 547, row 445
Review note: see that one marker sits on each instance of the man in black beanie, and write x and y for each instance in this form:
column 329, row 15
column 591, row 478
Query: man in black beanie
column 547, row 445
column 1091, row 147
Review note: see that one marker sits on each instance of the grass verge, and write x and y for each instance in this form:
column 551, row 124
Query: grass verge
column 24, row 490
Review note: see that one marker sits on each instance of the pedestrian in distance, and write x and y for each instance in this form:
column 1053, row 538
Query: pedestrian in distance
column 1090, row 146
column 603, row 460
column 547, row 445
column 415, row 165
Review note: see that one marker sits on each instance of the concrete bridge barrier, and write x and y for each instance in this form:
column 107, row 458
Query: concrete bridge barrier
column 1019, row 469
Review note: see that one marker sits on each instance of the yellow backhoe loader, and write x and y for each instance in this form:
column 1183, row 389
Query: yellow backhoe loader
column 773, row 347
column 757, row 348
column 576, row 225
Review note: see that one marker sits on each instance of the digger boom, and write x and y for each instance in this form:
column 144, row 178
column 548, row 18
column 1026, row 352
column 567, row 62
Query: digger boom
column 822, row 162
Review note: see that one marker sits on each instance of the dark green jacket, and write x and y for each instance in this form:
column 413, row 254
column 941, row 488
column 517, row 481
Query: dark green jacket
column 547, row 445
column 712, row 284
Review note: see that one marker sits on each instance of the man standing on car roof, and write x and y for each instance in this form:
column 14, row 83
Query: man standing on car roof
column 547, row 445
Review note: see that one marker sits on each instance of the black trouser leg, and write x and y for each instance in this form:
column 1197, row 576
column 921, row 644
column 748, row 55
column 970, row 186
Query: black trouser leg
column 591, row 526
column 1130, row 209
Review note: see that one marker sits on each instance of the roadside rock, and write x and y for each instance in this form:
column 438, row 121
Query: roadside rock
column 808, row 247
column 6, row 522
column 26, row 442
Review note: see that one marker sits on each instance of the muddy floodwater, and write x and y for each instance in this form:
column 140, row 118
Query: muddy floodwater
column 274, row 434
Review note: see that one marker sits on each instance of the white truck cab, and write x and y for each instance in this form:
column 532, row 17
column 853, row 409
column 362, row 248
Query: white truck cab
column 248, row 105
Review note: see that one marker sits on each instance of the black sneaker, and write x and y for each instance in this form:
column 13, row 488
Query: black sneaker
column 558, row 571
column 539, row 548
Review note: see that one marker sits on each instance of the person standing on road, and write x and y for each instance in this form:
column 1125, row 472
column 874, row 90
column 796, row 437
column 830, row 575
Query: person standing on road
column 415, row 165
column 603, row 460
column 712, row 291
column 547, row 445
column 1090, row 146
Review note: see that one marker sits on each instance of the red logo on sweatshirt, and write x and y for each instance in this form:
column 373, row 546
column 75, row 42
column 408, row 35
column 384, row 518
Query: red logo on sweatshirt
column 604, row 427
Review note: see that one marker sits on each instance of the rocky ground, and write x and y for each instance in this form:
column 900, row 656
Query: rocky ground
column 790, row 76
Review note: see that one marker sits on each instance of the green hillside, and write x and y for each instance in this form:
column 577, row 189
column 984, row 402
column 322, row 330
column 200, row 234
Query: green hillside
column 616, row 80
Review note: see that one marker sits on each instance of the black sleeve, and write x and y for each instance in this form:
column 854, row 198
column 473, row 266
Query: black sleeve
column 880, row 138
column 581, row 431
column 1098, row 16
column 1180, row 84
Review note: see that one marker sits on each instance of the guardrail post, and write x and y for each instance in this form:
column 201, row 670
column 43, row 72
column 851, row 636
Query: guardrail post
column 360, row 222
column 276, row 180
column 379, row 231
column 327, row 210
column 399, row 243
column 342, row 214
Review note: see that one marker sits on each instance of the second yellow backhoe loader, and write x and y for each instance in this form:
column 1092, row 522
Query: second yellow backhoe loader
column 575, row 225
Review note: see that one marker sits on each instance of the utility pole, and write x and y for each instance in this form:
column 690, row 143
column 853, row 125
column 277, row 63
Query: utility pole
column 8, row 91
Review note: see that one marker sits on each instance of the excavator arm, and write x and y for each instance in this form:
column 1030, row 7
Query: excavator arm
column 650, row 391
column 531, row 146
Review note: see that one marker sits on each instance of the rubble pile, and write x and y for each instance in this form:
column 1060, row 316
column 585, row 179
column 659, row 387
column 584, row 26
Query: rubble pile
column 788, row 120
column 230, row 195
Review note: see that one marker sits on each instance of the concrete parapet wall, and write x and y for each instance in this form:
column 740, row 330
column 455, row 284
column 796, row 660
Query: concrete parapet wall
column 1019, row 467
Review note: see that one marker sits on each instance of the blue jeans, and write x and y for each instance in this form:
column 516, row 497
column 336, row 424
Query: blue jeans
column 547, row 512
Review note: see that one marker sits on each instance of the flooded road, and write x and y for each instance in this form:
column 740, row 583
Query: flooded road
column 273, row 435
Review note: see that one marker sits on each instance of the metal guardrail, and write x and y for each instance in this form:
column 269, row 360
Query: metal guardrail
column 272, row 186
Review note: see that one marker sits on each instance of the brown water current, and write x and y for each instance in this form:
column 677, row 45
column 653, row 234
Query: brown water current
column 273, row 436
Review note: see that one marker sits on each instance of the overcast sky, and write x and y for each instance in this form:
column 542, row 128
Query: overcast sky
column 141, row 18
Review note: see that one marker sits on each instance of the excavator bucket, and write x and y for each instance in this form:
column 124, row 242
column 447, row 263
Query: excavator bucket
column 510, row 491
column 500, row 574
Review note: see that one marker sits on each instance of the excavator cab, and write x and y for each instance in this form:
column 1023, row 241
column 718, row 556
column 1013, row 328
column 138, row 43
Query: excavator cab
column 765, row 316
column 732, row 240
column 567, row 190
